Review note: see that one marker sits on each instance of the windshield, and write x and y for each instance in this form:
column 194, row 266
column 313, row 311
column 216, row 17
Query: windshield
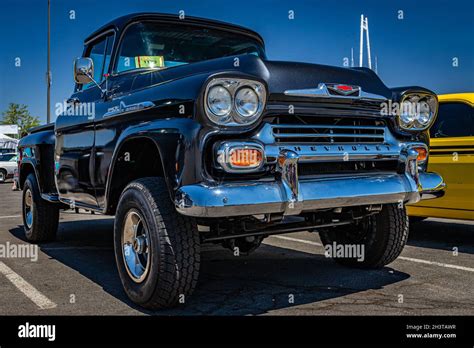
column 155, row 45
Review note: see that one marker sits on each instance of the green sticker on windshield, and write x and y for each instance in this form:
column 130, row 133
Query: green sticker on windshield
column 149, row 61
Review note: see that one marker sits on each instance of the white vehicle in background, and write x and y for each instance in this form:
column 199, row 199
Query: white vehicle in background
column 8, row 164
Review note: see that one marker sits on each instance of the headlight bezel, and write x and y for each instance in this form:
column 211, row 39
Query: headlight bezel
column 233, row 85
column 415, row 125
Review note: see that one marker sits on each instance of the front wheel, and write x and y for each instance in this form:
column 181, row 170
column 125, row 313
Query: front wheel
column 380, row 238
column 156, row 249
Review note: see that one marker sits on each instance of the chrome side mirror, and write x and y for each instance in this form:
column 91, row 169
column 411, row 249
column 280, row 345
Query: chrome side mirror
column 83, row 70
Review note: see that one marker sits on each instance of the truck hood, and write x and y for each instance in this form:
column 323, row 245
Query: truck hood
column 280, row 76
column 284, row 76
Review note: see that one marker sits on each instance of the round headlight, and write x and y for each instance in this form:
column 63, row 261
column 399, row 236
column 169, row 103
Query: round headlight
column 407, row 113
column 417, row 111
column 246, row 102
column 219, row 101
column 424, row 113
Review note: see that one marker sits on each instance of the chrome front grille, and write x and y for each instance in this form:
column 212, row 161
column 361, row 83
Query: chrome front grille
column 294, row 129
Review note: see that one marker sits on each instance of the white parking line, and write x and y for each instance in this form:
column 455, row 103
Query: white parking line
column 440, row 264
column 10, row 216
column 411, row 259
column 298, row 240
column 26, row 288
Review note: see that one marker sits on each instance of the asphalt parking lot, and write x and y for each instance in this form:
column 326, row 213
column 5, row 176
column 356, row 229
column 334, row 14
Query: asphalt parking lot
column 288, row 275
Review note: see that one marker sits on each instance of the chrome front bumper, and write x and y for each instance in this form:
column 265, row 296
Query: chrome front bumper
column 291, row 195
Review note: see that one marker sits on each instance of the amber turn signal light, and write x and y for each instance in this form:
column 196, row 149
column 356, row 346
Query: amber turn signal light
column 240, row 157
column 422, row 153
column 245, row 158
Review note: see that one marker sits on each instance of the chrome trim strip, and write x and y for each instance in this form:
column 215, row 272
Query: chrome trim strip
column 336, row 152
column 308, row 126
column 328, row 135
column 71, row 203
column 322, row 92
column 122, row 108
column 54, row 198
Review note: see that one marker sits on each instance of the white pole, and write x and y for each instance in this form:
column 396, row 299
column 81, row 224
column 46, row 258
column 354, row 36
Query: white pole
column 368, row 41
column 48, row 73
column 361, row 39
column 376, row 70
column 352, row 57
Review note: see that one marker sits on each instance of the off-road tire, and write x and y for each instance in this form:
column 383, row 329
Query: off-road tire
column 383, row 236
column 45, row 220
column 173, row 244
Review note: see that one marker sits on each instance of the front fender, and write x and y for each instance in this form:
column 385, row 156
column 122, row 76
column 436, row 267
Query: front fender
column 178, row 145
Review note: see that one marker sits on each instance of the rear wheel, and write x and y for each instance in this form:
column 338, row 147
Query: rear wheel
column 156, row 249
column 40, row 217
column 381, row 237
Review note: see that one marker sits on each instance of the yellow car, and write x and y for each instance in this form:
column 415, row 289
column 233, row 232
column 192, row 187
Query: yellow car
column 452, row 156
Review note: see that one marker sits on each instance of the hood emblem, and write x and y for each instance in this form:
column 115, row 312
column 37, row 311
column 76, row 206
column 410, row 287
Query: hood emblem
column 340, row 89
column 335, row 90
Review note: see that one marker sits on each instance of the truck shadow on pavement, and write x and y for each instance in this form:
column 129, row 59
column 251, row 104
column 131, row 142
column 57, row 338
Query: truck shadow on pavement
column 443, row 235
column 271, row 278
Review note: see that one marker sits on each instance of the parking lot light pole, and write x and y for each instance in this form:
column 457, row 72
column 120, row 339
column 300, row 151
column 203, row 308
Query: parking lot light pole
column 48, row 73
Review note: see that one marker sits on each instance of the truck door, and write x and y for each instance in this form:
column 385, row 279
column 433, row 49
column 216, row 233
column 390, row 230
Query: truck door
column 75, row 135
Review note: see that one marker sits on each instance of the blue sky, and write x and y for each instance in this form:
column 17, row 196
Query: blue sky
column 417, row 50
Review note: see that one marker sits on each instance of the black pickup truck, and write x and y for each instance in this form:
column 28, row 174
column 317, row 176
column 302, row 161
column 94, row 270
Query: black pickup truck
column 188, row 134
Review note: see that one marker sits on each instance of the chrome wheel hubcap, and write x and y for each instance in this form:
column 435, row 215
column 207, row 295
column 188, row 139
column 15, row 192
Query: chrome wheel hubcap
column 135, row 247
column 28, row 208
